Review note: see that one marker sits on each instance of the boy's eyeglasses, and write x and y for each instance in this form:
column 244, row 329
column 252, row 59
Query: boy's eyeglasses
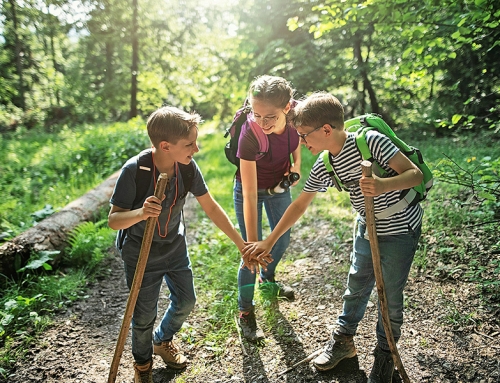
column 263, row 121
column 303, row 136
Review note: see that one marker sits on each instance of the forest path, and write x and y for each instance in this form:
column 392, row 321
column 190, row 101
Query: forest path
column 79, row 347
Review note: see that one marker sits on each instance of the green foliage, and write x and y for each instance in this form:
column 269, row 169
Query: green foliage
column 480, row 177
column 60, row 167
column 460, row 235
column 446, row 68
column 28, row 304
column 88, row 242
column 39, row 260
column 431, row 65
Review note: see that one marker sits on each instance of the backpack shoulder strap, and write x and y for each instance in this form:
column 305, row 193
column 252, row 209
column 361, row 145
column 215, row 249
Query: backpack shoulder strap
column 261, row 137
column 329, row 168
column 187, row 173
column 238, row 121
column 142, row 181
column 408, row 197
column 143, row 175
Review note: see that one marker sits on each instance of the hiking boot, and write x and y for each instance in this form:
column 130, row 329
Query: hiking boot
column 383, row 367
column 171, row 354
column 249, row 327
column 339, row 348
column 271, row 289
column 143, row 373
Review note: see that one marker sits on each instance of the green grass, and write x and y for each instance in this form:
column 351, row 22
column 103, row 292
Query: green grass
column 44, row 172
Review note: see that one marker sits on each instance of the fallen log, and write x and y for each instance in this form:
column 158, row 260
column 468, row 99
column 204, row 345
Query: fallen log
column 52, row 232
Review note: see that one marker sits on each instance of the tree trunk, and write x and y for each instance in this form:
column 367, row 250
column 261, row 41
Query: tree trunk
column 135, row 62
column 52, row 232
column 18, row 54
column 363, row 71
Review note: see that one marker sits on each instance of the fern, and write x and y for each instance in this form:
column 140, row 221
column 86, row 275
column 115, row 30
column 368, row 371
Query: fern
column 88, row 242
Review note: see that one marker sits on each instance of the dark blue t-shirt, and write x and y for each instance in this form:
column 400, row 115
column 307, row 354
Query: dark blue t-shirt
column 170, row 228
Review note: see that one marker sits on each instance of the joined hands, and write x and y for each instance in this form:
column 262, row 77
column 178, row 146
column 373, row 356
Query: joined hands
column 256, row 255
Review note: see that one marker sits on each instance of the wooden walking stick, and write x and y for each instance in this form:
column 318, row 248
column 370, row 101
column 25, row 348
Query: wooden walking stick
column 305, row 360
column 147, row 239
column 366, row 167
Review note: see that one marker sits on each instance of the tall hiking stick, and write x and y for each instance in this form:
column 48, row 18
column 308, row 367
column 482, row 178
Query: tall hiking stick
column 366, row 168
column 147, row 239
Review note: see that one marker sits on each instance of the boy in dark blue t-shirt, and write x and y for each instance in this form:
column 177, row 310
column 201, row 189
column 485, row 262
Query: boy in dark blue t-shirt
column 173, row 134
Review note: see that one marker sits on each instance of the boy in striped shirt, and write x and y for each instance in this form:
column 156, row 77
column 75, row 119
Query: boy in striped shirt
column 319, row 120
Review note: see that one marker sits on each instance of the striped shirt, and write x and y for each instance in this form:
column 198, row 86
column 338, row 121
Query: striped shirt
column 347, row 165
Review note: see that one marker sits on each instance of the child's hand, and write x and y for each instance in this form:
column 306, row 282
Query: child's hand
column 371, row 186
column 295, row 169
column 151, row 207
column 253, row 262
column 254, row 250
column 253, row 266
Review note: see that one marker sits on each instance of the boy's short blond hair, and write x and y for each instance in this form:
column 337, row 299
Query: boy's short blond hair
column 318, row 109
column 170, row 124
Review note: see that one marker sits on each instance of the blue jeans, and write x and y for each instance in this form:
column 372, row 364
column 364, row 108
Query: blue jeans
column 396, row 254
column 175, row 269
column 275, row 206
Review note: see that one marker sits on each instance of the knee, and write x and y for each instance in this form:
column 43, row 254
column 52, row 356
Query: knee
column 187, row 305
column 144, row 320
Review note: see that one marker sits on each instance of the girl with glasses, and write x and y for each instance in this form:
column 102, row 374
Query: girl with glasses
column 271, row 100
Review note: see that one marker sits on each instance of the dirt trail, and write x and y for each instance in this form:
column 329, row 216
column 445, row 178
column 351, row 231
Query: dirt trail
column 80, row 346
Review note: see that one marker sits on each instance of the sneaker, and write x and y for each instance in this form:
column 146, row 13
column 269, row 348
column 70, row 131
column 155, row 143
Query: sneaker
column 249, row 327
column 272, row 288
column 143, row 373
column 171, row 354
column 383, row 367
column 339, row 348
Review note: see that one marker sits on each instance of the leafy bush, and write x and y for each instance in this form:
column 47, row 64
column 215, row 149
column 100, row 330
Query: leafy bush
column 88, row 245
column 479, row 177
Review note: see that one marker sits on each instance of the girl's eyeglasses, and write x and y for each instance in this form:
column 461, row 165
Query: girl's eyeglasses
column 263, row 121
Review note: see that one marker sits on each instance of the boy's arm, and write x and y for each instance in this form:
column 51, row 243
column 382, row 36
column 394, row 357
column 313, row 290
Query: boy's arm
column 219, row 217
column 119, row 218
column 292, row 214
column 409, row 175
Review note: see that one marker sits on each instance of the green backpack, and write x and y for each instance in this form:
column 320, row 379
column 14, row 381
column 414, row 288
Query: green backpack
column 363, row 124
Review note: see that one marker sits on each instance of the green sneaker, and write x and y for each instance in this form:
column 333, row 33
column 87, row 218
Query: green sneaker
column 271, row 289
column 383, row 367
column 339, row 348
column 249, row 328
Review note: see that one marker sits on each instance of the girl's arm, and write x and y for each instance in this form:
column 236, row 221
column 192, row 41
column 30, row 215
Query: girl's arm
column 297, row 160
column 248, row 171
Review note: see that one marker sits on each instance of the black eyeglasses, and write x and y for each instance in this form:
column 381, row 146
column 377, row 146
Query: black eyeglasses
column 303, row 136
